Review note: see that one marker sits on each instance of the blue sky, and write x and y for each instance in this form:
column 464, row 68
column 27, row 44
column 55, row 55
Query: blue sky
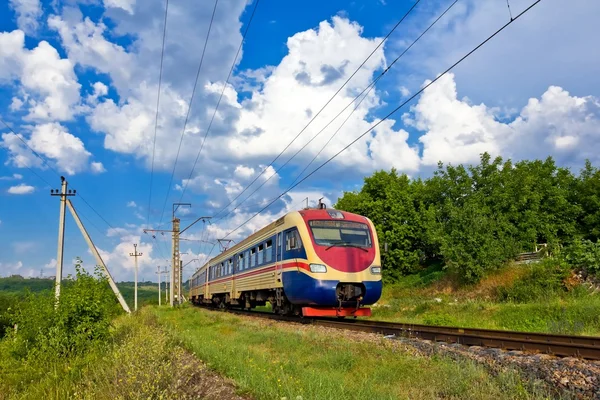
column 79, row 80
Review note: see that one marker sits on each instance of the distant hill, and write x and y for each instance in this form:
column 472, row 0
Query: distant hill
column 147, row 291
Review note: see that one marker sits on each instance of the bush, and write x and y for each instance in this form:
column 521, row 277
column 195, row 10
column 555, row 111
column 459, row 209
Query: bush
column 542, row 281
column 83, row 316
column 584, row 254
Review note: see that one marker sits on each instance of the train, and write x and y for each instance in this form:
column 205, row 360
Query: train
column 312, row 262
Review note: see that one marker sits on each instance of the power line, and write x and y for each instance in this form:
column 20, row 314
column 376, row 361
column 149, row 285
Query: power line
column 219, row 101
column 189, row 108
column 323, row 107
column 390, row 114
column 51, row 168
column 367, row 89
column 162, row 54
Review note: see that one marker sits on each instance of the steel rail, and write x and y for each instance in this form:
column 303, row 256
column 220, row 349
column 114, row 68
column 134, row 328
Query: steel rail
column 586, row 347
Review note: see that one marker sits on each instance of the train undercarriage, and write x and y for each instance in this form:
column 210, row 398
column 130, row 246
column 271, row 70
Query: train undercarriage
column 349, row 297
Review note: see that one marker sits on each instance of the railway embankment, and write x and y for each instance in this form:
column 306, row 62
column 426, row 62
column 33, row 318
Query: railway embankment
column 521, row 297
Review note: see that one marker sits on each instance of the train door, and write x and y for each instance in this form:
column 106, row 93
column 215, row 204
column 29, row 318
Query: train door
column 278, row 258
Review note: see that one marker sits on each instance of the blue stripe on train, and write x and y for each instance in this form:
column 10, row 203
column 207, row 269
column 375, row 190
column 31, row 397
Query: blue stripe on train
column 303, row 289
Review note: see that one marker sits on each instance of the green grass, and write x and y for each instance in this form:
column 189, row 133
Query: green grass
column 272, row 361
column 140, row 361
column 432, row 298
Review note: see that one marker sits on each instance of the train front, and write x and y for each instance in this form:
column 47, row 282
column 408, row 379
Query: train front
column 342, row 273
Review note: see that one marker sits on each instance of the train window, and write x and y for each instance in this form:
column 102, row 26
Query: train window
column 292, row 240
column 230, row 266
column 252, row 257
column 269, row 251
column 260, row 253
column 240, row 265
column 246, row 259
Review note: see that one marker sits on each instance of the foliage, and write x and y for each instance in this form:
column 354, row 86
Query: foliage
column 584, row 254
column 474, row 219
column 7, row 302
column 555, row 306
column 83, row 315
column 543, row 280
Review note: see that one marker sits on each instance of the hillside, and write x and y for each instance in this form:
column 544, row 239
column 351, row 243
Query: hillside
column 537, row 297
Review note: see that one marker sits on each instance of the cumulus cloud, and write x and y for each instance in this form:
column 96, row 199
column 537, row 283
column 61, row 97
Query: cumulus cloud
column 28, row 14
column 49, row 79
column 457, row 131
column 21, row 189
column 54, row 141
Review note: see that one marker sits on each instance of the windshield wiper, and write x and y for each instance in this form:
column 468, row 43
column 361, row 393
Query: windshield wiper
column 347, row 244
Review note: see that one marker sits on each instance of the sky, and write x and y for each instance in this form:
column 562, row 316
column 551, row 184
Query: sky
column 79, row 89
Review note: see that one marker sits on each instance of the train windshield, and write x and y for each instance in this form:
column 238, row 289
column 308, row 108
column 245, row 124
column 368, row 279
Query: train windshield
column 340, row 233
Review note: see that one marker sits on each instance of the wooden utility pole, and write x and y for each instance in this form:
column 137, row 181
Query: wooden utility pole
column 136, row 255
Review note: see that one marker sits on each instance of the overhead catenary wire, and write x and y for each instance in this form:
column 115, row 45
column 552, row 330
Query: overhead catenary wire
column 189, row 109
column 323, row 107
column 366, row 89
column 220, row 98
column 162, row 55
column 389, row 114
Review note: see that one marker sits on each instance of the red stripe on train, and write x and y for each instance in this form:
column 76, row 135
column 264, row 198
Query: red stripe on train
column 301, row 265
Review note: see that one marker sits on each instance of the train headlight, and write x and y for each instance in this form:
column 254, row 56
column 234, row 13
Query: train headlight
column 318, row 268
column 376, row 270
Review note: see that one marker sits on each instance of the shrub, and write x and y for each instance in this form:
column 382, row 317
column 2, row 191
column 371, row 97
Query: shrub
column 83, row 316
column 543, row 280
column 584, row 254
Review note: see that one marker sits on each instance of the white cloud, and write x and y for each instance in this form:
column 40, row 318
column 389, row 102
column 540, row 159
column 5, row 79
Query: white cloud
column 131, row 204
column 404, row 91
column 97, row 167
column 10, row 178
column 54, row 141
column 28, row 14
column 21, row 189
column 49, row 80
column 456, row 131
column 9, row 269
column 16, row 104
column 127, row 5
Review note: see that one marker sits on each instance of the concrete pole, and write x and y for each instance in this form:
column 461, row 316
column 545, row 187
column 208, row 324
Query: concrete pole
column 61, row 236
column 99, row 259
column 136, row 255
column 158, row 272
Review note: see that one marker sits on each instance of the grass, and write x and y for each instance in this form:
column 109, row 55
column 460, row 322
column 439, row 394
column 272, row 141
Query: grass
column 274, row 361
column 433, row 297
column 140, row 361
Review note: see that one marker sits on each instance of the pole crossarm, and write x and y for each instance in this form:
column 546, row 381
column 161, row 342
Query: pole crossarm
column 196, row 221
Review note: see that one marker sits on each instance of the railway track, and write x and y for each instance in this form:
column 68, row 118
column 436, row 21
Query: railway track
column 586, row 347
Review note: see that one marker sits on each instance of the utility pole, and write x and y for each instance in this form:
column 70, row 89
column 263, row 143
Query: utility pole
column 136, row 255
column 158, row 272
column 61, row 234
column 175, row 293
column 61, row 230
